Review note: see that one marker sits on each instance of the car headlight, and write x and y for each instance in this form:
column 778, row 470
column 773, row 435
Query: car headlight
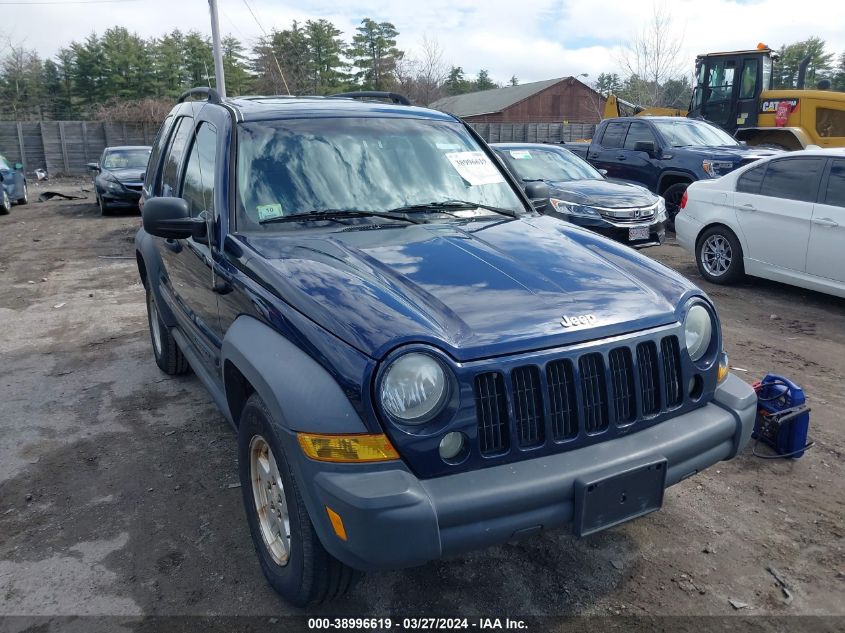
column 562, row 206
column 113, row 185
column 414, row 388
column 716, row 168
column 698, row 331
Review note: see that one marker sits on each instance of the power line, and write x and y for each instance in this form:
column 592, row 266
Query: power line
column 275, row 59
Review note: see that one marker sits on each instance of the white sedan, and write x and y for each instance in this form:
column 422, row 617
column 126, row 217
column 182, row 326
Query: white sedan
column 782, row 218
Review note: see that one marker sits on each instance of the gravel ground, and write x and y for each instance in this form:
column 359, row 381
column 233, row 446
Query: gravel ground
column 116, row 481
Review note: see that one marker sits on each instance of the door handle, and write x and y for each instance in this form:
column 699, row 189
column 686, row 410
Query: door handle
column 593, row 156
column 173, row 245
column 825, row 222
column 749, row 207
column 621, row 157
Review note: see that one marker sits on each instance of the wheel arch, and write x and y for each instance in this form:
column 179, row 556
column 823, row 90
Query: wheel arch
column 790, row 138
column 723, row 225
column 671, row 177
column 298, row 391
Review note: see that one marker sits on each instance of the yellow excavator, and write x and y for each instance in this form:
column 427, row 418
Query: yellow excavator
column 734, row 91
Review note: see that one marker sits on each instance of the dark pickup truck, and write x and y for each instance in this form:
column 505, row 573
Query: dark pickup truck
column 664, row 154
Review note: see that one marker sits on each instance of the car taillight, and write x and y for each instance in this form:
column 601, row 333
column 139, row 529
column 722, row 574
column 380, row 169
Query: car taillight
column 683, row 204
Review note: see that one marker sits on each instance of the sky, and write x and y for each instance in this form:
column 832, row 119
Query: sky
column 532, row 39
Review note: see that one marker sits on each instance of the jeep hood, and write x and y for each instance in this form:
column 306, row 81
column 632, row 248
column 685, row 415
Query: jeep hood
column 476, row 289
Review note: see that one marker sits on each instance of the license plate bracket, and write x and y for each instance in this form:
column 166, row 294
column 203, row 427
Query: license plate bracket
column 607, row 499
column 638, row 233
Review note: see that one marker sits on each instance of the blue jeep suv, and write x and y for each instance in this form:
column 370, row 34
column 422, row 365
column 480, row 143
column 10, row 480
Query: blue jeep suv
column 416, row 363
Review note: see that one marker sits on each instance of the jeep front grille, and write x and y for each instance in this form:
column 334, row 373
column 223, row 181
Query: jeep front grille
column 565, row 398
column 491, row 407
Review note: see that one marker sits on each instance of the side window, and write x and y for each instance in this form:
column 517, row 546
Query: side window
column 830, row 122
column 751, row 180
column 720, row 80
column 835, row 193
column 158, row 148
column 175, row 151
column 638, row 133
column 198, row 184
column 748, row 82
column 4, row 165
column 613, row 135
column 793, row 179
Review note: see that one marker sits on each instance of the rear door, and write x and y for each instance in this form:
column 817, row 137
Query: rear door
column 826, row 253
column 607, row 153
column 774, row 205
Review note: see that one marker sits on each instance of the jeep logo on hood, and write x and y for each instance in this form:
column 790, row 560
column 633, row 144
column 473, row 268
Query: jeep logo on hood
column 576, row 320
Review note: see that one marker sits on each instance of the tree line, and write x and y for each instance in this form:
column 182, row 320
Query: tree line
column 121, row 75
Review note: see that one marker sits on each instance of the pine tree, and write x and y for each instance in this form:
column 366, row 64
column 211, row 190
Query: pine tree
column 374, row 53
column 235, row 67
column 483, row 81
column 325, row 49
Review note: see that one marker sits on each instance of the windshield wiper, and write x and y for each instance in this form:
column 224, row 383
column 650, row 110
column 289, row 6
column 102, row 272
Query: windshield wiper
column 334, row 214
column 452, row 205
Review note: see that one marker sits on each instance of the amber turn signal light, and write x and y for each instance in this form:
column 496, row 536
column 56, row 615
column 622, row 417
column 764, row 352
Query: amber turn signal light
column 722, row 372
column 337, row 523
column 347, row 448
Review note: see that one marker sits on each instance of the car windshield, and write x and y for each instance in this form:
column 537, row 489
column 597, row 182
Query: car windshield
column 684, row 133
column 548, row 164
column 296, row 166
column 126, row 159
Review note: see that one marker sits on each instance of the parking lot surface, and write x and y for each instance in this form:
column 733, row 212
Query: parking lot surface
column 118, row 484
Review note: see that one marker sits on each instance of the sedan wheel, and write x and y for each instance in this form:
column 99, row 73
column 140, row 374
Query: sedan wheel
column 24, row 199
column 5, row 203
column 719, row 256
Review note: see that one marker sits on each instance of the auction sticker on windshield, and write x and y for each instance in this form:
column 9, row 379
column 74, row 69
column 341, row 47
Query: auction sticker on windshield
column 475, row 168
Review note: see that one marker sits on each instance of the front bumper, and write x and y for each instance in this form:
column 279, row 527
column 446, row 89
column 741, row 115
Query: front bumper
column 126, row 197
column 395, row 520
column 620, row 231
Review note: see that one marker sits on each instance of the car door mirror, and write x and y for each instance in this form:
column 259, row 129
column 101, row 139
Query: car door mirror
column 603, row 172
column 170, row 218
column 535, row 190
column 93, row 166
column 19, row 166
column 645, row 146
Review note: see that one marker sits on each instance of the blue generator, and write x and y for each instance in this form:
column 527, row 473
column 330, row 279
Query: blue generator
column 783, row 417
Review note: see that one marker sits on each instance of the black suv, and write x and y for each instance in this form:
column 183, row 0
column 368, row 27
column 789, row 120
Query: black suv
column 417, row 363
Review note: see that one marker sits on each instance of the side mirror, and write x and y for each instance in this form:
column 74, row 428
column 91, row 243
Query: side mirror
column 645, row 146
column 93, row 166
column 19, row 166
column 603, row 172
column 536, row 190
column 170, row 218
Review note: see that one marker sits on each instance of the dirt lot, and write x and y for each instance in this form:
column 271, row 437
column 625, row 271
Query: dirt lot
column 116, row 481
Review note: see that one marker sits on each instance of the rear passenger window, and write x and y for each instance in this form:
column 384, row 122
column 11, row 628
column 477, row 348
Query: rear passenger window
column 198, row 185
column 835, row 193
column 750, row 181
column 792, row 178
column 170, row 173
column 158, row 148
column 614, row 133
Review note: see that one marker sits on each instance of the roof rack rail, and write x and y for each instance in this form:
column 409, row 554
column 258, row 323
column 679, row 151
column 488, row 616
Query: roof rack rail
column 374, row 94
column 210, row 93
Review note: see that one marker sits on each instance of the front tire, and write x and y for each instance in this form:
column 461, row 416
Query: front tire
column 169, row 357
column 673, row 195
column 718, row 255
column 25, row 198
column 104, row 207
column 5, row 203
column 291, row 555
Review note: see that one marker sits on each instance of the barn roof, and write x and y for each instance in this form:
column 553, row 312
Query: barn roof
column 490, row 101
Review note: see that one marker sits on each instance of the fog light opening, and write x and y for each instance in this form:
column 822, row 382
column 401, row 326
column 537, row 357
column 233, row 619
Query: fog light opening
column 453, row 447
column 696, row 387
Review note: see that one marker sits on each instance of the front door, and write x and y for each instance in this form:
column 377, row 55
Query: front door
column 826, row 254
column 776, row 221
column 607, row 153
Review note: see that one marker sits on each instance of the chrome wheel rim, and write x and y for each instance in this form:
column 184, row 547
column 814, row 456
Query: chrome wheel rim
column 25, row 194
column 716, row 255
column 270, row 503
column 155, row 327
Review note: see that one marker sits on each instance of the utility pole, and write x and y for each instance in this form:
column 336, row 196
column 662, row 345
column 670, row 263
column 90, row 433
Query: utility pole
column 218, row 53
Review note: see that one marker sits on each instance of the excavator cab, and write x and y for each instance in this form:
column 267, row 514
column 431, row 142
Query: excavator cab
column 728, row 87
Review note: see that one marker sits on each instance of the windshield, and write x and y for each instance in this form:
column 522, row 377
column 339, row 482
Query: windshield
column 683, row 133
column 548, row 164
column 297, row 166
column 126, row 159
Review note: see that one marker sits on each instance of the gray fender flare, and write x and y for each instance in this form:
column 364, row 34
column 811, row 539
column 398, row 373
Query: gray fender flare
column 299, row 392
column 146, row 249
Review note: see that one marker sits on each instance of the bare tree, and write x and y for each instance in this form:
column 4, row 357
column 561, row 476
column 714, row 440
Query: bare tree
column 651, row 58
column 421, row 77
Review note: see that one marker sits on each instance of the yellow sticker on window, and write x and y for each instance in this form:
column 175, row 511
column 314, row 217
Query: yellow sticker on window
column 269, row 211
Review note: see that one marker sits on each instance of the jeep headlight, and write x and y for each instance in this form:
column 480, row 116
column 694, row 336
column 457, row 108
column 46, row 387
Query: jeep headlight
column 698, row 331
column 571, row 208
column 414, row 388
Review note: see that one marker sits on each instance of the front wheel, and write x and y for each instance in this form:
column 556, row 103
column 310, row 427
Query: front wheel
column 673, row 195
column 292, row 558
column 5, row 203
column 104, row 207
column 719, row 256
column 169, row 357
column 24, row 199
